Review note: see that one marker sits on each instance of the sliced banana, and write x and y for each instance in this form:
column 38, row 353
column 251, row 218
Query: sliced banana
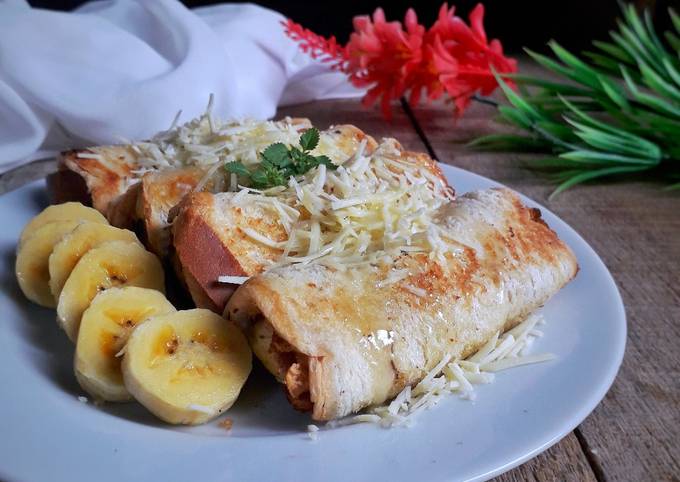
column 73, row 246
column 104, row 330
column 32, row 262
column 186, row 367
column 70, row 211
column 113, row 264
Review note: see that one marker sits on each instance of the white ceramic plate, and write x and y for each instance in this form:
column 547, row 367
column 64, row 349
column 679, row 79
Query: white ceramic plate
column 47, row 434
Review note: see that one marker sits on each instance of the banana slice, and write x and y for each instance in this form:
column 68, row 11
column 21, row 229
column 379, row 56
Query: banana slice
column 73, row 246
column 104, row 330
column 70, row 211
column 186, row 367
column 33, row 257
column 113, row 264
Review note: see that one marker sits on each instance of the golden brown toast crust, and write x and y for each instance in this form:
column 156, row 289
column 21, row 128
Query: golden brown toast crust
column 202, row 255
column 65, row 185
column 100, row 181
column 160, row 192
column 103, row 177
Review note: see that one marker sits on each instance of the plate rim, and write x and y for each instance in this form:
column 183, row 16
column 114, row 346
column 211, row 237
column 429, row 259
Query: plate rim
column 622, row 339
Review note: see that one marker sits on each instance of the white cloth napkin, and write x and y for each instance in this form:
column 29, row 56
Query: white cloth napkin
column 122, row 69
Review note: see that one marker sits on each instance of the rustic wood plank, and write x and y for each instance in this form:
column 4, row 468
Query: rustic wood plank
column 564, row 461
column 635, row 227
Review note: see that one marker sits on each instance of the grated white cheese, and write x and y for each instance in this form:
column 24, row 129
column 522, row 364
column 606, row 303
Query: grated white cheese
column 236, row 280
column 312, row 432
column 209, row 174
column 368, row 211
column 455, row 377
column 200, row 408
column 210, row 142
column 505, row 363
column 361, row 418
column 415, row 290
column 261, row 238
column 90, row 155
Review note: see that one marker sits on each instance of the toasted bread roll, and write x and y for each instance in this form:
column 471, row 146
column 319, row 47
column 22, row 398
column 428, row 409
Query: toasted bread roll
column 208, row 244
column 107, row 177
column 344, row 340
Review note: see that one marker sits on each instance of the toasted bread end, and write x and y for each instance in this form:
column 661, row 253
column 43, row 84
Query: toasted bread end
column 202, row 256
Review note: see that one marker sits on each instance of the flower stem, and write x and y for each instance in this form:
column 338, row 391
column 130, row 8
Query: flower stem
column 485, row 100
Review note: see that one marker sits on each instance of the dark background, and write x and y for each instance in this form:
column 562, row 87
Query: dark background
column 574, row 23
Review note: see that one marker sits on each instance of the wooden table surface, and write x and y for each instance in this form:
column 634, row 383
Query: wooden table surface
column 634, row 434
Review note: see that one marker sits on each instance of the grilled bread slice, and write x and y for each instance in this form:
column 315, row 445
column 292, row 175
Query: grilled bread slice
column 209, row 242
column 210, row 239
column 160, row 191
column 97, row 176
column 107, row 177
column 132, row 196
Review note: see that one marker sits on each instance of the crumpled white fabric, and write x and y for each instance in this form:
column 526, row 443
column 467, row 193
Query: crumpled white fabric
column 122, row 69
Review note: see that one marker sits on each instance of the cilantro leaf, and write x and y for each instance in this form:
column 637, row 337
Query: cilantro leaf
column 279, row 162
column 268, row 176
column 309, row 139
column 296, row 155
column 237, row 168
column 304, row 164
column 277, row 154
column 259, row 177
column 325, row 160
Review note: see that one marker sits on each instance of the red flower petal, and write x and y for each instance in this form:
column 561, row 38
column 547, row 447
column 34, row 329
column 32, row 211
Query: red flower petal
column 393, row 59
column 477, row 22
column 379, row 16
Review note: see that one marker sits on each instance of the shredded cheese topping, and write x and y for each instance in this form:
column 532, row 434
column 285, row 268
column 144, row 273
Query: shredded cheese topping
column 457, row 377
column 236, row 280
column 209, row 142
column 371, row 209
column 200, row 408
column 312, row 432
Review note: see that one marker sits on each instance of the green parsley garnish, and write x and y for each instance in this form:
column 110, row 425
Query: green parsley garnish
column 279, row 162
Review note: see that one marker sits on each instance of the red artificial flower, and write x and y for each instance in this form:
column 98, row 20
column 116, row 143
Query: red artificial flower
column 384, row 57
column 318, row 47
column 463, row 58
column 392, row 60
